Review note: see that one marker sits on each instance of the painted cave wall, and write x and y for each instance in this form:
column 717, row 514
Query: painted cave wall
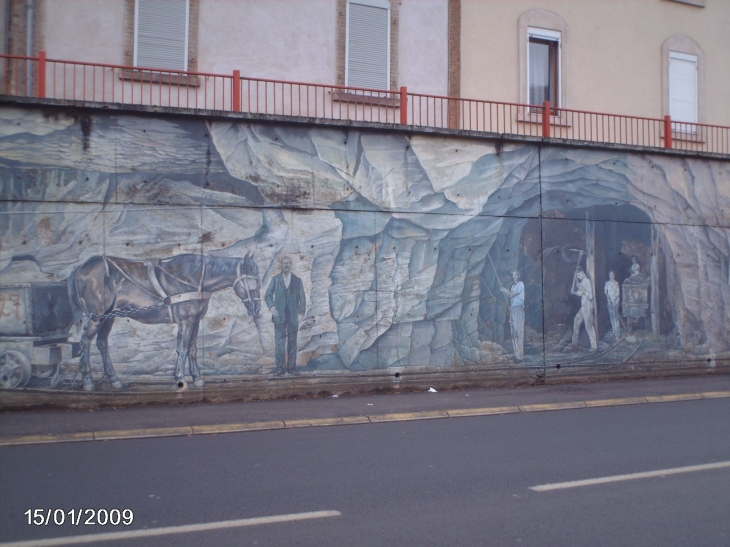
column 401, row 242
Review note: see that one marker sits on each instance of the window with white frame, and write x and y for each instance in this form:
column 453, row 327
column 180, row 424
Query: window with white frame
column 161, row 33
column 683, row 87
column 367, row 44
column 543, row 66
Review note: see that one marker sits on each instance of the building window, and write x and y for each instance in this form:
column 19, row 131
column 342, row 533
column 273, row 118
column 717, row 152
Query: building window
column 161, row 33
column 367, row 57
column 543, row 62
column 683, row 87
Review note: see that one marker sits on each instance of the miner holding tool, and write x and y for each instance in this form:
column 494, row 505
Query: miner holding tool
column 516, row 296
column 582, row 287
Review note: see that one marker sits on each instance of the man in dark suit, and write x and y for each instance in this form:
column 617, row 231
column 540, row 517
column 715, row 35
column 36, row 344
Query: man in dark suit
column 286, row 299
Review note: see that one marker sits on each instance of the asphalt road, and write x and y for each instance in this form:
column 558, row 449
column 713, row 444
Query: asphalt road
column 463, row 481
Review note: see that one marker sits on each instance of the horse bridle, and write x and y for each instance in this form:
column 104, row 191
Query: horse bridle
column 240, row 278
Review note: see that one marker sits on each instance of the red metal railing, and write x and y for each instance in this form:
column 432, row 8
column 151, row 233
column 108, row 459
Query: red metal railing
column 258, row 96
column 134, row 85
column 81, row 81
column 599, row 127
column 471, row 114
column 698, row 136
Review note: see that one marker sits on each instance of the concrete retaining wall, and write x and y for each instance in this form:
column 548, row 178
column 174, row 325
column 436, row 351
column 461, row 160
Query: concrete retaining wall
column 400, row 243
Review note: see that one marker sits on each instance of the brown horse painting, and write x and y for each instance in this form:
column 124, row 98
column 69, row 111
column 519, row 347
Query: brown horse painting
column 154, row 291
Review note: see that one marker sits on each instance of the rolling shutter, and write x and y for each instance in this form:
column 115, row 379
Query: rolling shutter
column 683, row 87
column 368, row 46
column 161, row 34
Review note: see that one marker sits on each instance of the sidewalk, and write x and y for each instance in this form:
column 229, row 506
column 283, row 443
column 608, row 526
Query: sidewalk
column 77, row 425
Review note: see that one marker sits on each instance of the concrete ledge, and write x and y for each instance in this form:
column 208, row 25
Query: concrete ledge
column 462, row 412
column 313, row 385
column 46, row 439
column 617, row 402
column 307, row 385
column 409, row 416
column 142, row 433
column 379, row 126
column 236, row 428
column 670, row 398
column 715, row 394
column 552, row 406
column 319, row 422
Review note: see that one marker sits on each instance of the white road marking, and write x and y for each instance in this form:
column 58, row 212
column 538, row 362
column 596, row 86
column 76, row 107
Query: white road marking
column 168, row 530
column 629, row 477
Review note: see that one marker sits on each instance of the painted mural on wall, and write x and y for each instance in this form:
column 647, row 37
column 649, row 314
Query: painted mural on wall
column 139, row 250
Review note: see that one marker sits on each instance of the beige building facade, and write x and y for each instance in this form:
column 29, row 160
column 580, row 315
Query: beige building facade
column 307, row 41
column 645, row 58
column 613, row 56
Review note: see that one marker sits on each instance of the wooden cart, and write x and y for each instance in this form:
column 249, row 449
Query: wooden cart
column 635, row 301
column 35, row 319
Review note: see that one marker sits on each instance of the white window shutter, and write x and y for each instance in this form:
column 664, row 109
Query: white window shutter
column 162, row 34
column 368, row 51
column 683, row 87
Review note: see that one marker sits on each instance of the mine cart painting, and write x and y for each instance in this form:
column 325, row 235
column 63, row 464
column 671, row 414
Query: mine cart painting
column 636, row 301
column 34, row 330
column 314, row 251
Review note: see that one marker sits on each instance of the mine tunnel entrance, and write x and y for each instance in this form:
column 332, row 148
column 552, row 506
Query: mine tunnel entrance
column 547, row 252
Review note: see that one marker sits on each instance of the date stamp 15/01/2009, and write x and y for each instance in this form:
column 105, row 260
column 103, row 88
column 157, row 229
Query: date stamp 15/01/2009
column 79, row 517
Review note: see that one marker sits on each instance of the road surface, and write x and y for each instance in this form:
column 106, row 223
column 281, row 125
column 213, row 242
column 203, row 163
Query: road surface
column 445, row 482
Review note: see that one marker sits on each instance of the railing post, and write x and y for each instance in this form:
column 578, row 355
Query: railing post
column 546, row 119
column 236, row 90
column 404, row 105
column 41, row 76
column 667, row 131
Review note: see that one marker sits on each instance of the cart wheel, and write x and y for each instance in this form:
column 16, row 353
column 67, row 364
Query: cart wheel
column 15, row 369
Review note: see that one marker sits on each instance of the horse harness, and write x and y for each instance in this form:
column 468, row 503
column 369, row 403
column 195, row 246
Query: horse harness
column 240, row 277
column 170, row 300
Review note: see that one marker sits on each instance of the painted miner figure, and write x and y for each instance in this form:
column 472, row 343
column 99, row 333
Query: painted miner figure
column 516, row 295
column 613, row 296
column 582, row 287
column 286, row 299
